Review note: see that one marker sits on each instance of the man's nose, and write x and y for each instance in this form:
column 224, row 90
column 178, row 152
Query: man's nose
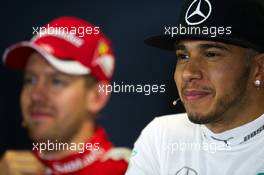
column 39, row 91
column 192, row 71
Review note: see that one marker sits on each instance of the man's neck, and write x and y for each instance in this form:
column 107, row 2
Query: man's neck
column 236, row 118
column 221, row 126
column 250, row 108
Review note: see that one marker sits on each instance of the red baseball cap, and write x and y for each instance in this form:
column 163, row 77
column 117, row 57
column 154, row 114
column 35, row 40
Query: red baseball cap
column 71, row 45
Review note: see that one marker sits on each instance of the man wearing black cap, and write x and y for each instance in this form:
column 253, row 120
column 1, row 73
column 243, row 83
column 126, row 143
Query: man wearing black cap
column 64, row 66
column 220, row 80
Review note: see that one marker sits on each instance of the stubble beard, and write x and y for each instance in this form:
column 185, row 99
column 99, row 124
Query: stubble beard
column 234, row 99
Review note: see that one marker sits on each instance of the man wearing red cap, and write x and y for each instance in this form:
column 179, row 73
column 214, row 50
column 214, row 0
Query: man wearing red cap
column 64, row 66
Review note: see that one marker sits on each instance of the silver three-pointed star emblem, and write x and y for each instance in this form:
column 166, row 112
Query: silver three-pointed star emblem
column 197, row 11
column 186, row 171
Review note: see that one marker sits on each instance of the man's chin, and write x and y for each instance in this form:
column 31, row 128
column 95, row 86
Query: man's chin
column 38, row 135
column 199, row 118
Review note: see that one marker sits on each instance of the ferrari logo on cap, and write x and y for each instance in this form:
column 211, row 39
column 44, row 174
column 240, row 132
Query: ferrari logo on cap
column 104, row 58
column 103, row 48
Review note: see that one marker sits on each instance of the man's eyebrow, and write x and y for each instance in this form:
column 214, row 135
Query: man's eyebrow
column 47, row 73
column 214, row 45
column 179, row 47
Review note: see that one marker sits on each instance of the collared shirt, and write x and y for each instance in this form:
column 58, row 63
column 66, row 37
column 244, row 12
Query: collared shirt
column 87, row 161
column 172, row 145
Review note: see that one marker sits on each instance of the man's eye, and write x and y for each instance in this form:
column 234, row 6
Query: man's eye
column 211, row 54
column 181, row 57
column 29, row 80
column 58, row 82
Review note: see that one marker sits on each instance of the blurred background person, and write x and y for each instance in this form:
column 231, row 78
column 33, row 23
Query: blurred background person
column 65, row 64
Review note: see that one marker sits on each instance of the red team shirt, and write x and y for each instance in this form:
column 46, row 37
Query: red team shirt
column 90, row 162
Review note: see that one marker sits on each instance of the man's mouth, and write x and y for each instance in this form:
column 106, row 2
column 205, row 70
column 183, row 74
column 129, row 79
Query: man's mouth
column 38, row 115
column 194, row 95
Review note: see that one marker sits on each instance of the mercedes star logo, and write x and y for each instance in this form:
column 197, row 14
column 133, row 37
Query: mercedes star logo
column 186, row 171
column 192, row 12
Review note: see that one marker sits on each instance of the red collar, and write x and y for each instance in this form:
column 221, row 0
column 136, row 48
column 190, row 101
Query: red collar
column 78, row 161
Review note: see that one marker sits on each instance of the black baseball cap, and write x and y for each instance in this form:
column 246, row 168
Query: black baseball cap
column 239, row 22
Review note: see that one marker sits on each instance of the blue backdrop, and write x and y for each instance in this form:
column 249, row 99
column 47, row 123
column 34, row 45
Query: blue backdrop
column 127, row 23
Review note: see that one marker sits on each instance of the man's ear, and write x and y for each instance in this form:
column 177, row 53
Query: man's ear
column 97, row 97
column 259, row 74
